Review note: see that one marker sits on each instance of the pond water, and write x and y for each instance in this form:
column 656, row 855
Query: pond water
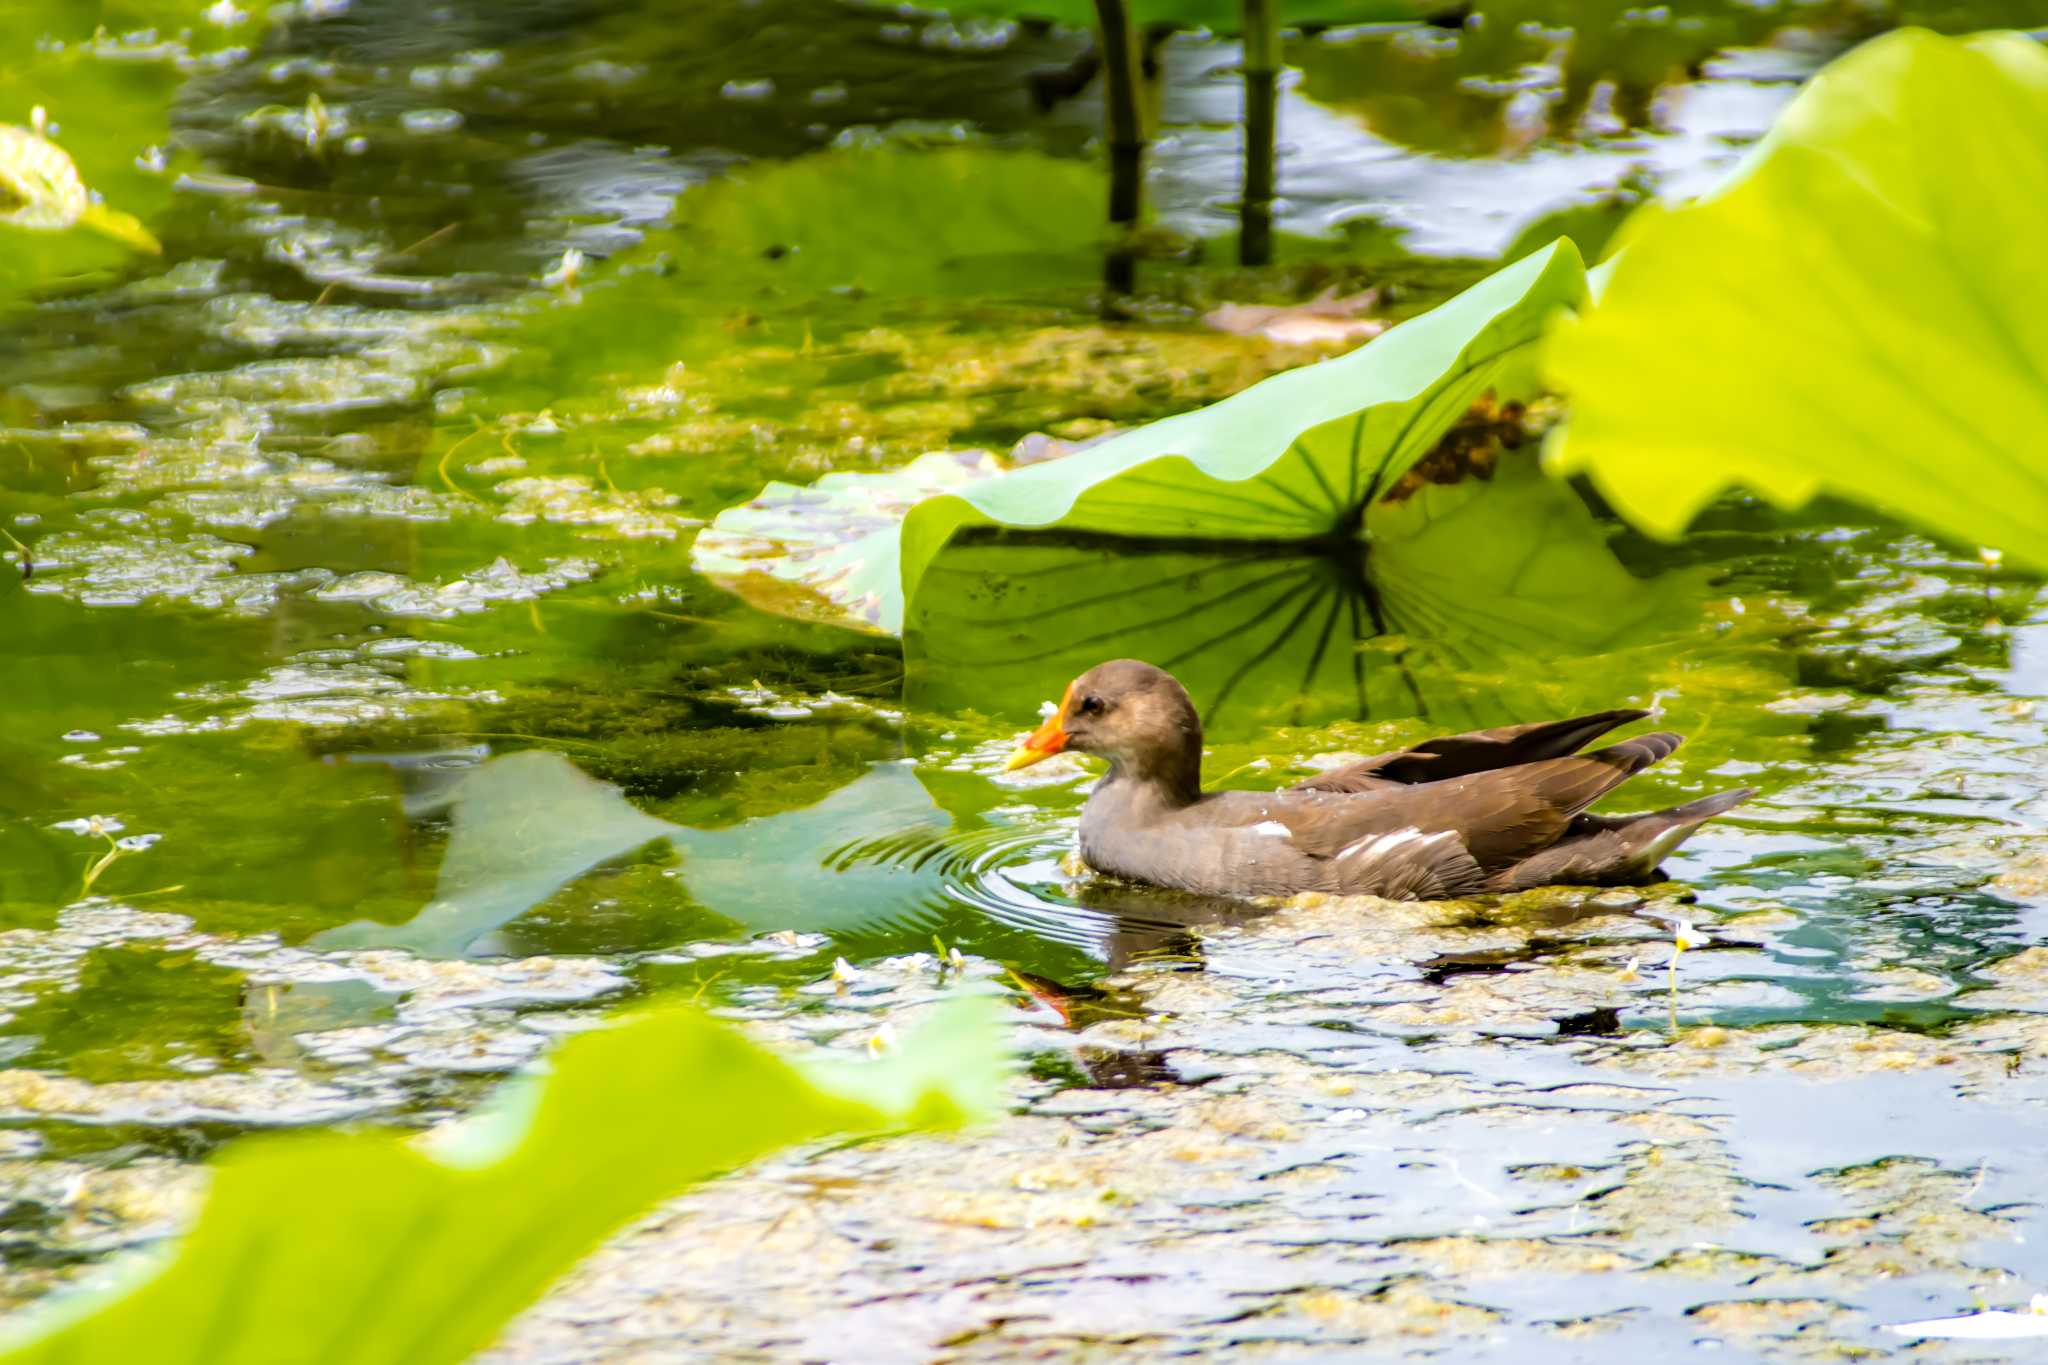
column 369, row 725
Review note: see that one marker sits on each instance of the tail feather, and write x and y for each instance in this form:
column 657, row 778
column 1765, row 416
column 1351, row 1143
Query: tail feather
column 1696, row 813
column 1639, row 751
column 1615, row 850
column 1550, row 738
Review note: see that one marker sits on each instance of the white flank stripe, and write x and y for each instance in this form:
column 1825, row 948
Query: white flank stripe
column 1376, row 847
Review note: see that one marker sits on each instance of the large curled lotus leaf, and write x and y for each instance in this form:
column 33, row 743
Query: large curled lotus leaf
column 372, row 1248
column 1288, row 463
column 1860, row 310
column 1513, row 567
column 1298, row 457
column 1476, row 579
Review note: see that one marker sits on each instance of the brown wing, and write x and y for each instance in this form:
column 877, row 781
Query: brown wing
column 1512, row 814
column 1452, row 756
column 1498, row 816
column 1347, row 842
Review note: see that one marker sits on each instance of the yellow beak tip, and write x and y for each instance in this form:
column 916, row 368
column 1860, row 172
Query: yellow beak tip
column 1023, row 756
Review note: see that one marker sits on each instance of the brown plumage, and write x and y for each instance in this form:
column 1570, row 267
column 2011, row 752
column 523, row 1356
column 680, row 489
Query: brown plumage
column 1493, row 810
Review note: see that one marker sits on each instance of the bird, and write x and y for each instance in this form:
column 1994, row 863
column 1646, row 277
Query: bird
column 1483, row 812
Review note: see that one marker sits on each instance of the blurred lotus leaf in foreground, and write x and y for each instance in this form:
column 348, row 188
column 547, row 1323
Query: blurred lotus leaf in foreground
column 378, row 1248
column 1860, row 310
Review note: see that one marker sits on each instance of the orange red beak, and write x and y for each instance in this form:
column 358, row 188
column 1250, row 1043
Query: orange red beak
column 1047, row 740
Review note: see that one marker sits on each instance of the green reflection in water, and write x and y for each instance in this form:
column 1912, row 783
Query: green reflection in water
column 137, row 1013
column 1515, row 73
column 526, row 824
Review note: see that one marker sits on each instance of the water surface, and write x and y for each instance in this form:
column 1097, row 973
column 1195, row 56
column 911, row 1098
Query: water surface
column 358, row 608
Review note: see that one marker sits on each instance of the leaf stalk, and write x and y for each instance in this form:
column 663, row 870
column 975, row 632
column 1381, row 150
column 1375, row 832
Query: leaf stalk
column 1261, row 127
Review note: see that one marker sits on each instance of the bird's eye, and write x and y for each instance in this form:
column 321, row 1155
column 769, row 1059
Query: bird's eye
column 1091, row 706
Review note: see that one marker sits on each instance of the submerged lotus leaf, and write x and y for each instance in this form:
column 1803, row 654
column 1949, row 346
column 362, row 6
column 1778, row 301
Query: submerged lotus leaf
column 1253, row 546
column 1859, row 311
column 524, row 825
column 369, row 1246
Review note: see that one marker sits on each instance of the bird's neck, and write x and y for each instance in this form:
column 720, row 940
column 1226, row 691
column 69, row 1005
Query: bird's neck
column 1158, row 780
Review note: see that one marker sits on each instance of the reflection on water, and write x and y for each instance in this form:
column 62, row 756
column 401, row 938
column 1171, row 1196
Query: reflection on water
column 876, row 865
column 1519, row 72
column 1117, row 924
column 1495, row 78
column 275, row 1013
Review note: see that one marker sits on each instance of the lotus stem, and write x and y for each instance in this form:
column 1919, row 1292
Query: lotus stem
column 1125, row 121
column 1261, row 100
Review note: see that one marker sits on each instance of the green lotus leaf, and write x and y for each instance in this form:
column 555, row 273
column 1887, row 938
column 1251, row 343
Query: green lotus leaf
column 892, row 220
column 1296, row 458
column 1259, row 516
column 1004, row 620
column 785, row 254
column 1860, row 310
column 330, row 1248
